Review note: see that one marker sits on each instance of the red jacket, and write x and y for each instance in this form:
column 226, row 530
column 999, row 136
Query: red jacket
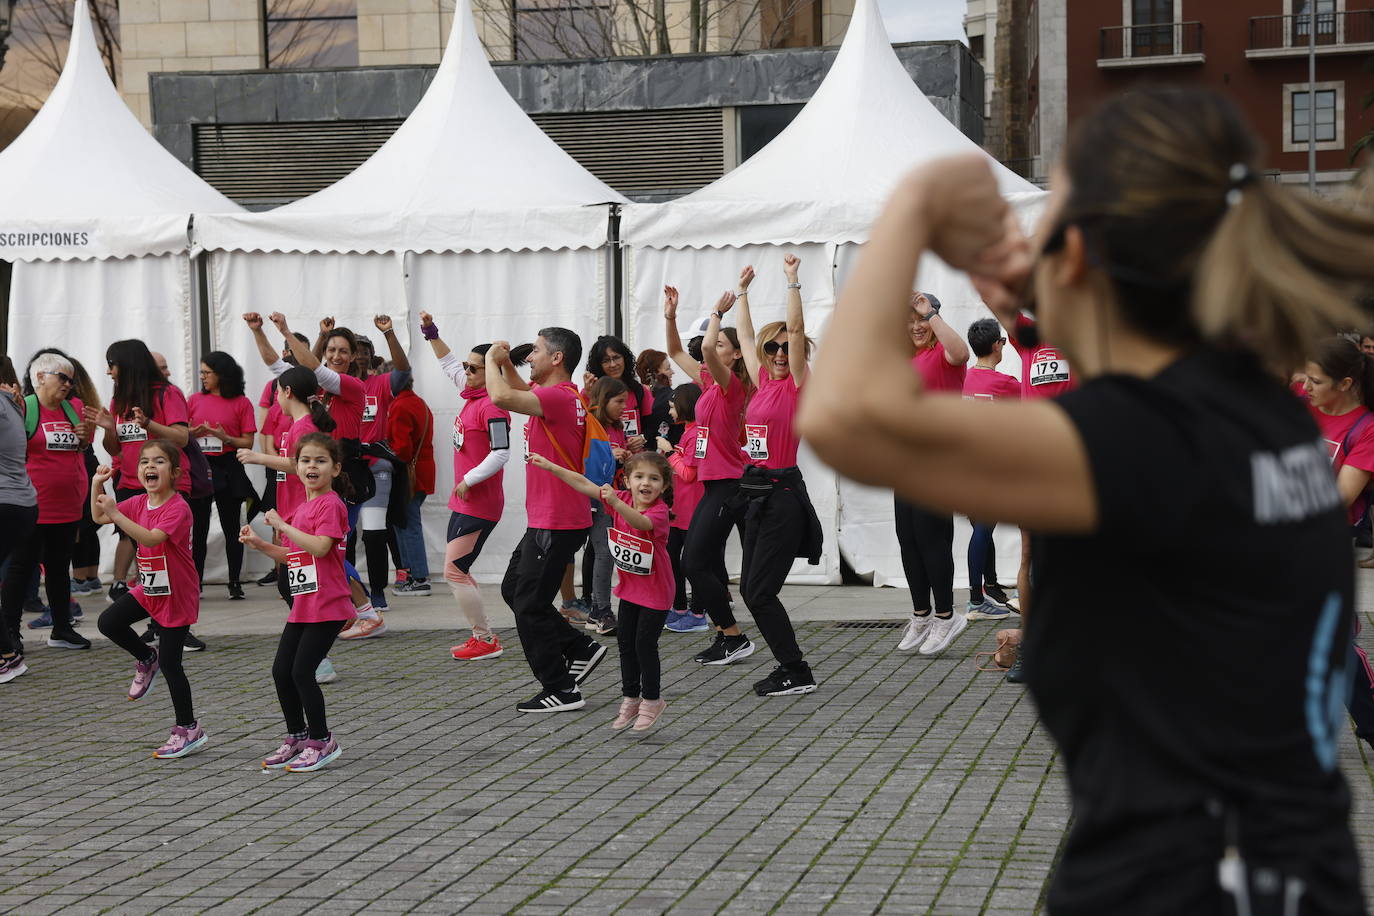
column 410, row 426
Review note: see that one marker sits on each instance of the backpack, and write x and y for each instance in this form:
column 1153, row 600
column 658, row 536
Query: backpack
column 202, row 483
column 598, row 461
column 31, row 415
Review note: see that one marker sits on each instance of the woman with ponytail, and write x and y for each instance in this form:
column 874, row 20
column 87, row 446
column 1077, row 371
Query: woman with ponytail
column 1204, row 771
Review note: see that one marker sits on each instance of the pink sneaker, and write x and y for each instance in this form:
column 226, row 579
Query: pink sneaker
column 629, row 711
column 182, row 742
column 290, row 748
column 365, row 628
column 145, row 675
column 649, row 711
column 476, row 648
column 316, row 755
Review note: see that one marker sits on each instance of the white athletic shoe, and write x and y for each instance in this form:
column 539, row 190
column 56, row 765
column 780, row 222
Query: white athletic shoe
column 917, row 629
column 943, row 632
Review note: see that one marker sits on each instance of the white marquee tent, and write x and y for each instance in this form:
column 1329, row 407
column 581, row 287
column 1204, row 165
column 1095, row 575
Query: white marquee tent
column 815, row 191
column 469, row 212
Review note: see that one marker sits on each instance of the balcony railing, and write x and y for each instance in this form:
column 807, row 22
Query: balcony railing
column 1333, row 31
column 1147, row 43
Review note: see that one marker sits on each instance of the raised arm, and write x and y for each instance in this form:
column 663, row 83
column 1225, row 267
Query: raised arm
column 326, row 325
column 956, row 351
column 254, row 322
column 570, row 477
column 674, row 340
column 430, row 332
column 304, row 355
column 796, row 320
column 936, row 450
column 719, row 371
column 744, row 324
column 399, row 360
column 499, row 388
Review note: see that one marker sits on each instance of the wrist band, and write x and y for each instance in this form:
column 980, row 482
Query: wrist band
column 794, row 286
column 743, row 292
column 430, row 331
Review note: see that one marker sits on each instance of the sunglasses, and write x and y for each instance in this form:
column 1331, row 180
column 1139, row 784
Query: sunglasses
column 469, row 367
column 772, row 347
column 64, row 378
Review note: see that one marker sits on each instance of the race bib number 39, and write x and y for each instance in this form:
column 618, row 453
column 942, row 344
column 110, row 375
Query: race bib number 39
column 629, row 420
column 756, row 442
column 633, row 555
column 302, row 577
column 1049, row 368
column 129, row 431
column 60, row 437
column 152, row 574
column 702, row 433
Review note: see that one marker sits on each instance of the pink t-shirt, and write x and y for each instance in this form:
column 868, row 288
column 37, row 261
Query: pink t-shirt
column 471, row 446
column 376, row 402
column 290, row 489
column 549, row 502
column 169, row 408
column 275, row 423
column 686, row 494
column 346, row 408
column 234, row 414
column 1348, row 444
column 269, row 394
column 990, row 385
column 1044, row 370
column 720, row 422
column 168, row 586
column 644, row 573
column 936, row 372
column 770, row 430
column 318, row 586
column 57, row 466
column 632, row 419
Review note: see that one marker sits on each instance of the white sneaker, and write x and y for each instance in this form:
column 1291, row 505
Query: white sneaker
column 943, row 632
column 917, row 630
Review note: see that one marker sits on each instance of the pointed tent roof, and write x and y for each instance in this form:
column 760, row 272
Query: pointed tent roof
column 86, row 180
column 467, row 171
column 824, row 178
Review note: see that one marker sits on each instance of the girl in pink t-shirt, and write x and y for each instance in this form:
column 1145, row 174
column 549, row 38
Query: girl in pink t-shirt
column 608, row 397
column 168, row 590
column 687, row 490
column 311, row 552
column 638, row 539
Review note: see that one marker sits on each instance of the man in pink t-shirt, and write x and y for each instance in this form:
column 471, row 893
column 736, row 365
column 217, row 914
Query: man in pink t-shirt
column 559, row 518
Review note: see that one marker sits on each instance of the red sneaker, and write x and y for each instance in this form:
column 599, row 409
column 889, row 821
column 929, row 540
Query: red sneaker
column 476, row 648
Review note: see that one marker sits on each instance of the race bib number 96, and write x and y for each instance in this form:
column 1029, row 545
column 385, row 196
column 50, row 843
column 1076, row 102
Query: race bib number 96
column 152, row 574
column 302, row 577
column 633, row 555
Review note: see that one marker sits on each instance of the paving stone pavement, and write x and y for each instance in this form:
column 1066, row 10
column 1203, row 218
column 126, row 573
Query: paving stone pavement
column 904, row 785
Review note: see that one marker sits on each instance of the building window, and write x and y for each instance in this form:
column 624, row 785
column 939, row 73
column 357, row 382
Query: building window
column 1152, row 30
column 1329, row 110
column 310, row 33
column 1325, row 13
column 975, row 47
column 563, row 29
column 1032, row 37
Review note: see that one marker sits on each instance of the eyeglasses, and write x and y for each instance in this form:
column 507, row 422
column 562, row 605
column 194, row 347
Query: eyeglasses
column 612, row 358
column 469, row 367
column 64, row 378
column 772, row 347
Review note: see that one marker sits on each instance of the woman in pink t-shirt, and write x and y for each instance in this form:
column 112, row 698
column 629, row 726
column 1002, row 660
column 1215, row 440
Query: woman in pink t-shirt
column 726, row 388
column 609, row 357
column 638, row 539
column 311, row 553
column 168, row 590
column 687, row 490
column 780, row 523
column 222, row 422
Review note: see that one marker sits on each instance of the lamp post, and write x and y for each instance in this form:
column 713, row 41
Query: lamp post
column 1311, row 95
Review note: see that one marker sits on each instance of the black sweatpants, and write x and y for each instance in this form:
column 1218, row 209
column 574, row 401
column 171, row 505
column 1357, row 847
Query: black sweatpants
column 50, row 545
column 301, row 649
column 529, row 587
column 229, row 508
column 1360, row 703
column 703, row 552
column 637, row 631
column 927, row 544
column 676, row 537
column 16, row 527
column 773, row 532
column 117, row 625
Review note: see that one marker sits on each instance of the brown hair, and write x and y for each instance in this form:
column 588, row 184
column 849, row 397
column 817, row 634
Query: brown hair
column 600, row 394
column 1341, row 358
column 646, row 366
column 1165, row 188
column 740, row 369
column 660, row 464
column 171, row 451
column 342, row 485
column 770, row 331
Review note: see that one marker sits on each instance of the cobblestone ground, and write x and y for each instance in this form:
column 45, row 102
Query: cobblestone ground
column 904, row 785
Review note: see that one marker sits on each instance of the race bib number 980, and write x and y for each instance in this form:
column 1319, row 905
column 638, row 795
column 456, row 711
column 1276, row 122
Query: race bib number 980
column 302, row 577
column 633, row 555
column 152, row 574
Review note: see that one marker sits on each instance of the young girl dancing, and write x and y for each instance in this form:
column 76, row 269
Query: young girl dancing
column 606, row 398
column 312, row 551
column 159, row 521
column 638, row 541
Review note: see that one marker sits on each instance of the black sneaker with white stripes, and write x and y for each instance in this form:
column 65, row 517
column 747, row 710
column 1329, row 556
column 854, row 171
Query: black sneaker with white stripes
column 727, row 650
column 786, row 681
column 583, row 662
column 554, row 701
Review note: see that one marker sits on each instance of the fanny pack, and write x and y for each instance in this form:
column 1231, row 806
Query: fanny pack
column 759, row 483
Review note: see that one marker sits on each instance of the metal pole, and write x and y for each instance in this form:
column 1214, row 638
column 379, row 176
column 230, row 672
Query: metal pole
column 1312, row 96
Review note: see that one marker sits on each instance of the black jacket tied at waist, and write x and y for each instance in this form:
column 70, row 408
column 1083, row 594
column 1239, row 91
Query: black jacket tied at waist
column 757, row 485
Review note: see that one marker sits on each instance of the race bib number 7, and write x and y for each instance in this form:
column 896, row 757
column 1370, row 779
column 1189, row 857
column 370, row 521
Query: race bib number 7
column 633, row 555
column 629, row 420
column 129, row 431
column 702, row 433
column 1049, row 368
column 152, row 574
column 302, row 577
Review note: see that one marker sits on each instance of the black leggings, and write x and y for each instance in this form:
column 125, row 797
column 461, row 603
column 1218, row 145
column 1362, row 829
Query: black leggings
column 16, row 528
column 676, row 537
column 773, row 532
column 703, row 552
column 117, row 625
column 637, row 633
column 230, row 510
column 303, row 646
column 927, row 544
column 50, row 545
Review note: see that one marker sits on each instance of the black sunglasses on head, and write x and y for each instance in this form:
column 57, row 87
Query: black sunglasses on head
column 772, row 347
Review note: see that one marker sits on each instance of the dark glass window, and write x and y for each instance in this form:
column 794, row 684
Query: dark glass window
column 1326, row 116
column 311, row 33
column 560, row 29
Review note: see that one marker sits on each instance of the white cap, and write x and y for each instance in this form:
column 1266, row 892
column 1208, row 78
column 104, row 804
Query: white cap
column 700, row 326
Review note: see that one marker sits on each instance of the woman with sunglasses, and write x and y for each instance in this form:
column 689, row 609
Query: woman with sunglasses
column 1183, row 287
column 481, row 448
column 779, row 523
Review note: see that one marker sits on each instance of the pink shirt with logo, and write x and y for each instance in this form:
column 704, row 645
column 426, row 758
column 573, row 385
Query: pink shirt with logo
column 1044, row 370
column 770, row 429
column 318, row 586
column 168, row 586
column 720, row 421
column 936, row 372
column 377, row 399
column 655, row 587
column 235, row 415
column 549, row 502
column 990, row 385
column 290, row 489
column 57, row 466
column 169, row 408
column 687, row 489
column 471, row 446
